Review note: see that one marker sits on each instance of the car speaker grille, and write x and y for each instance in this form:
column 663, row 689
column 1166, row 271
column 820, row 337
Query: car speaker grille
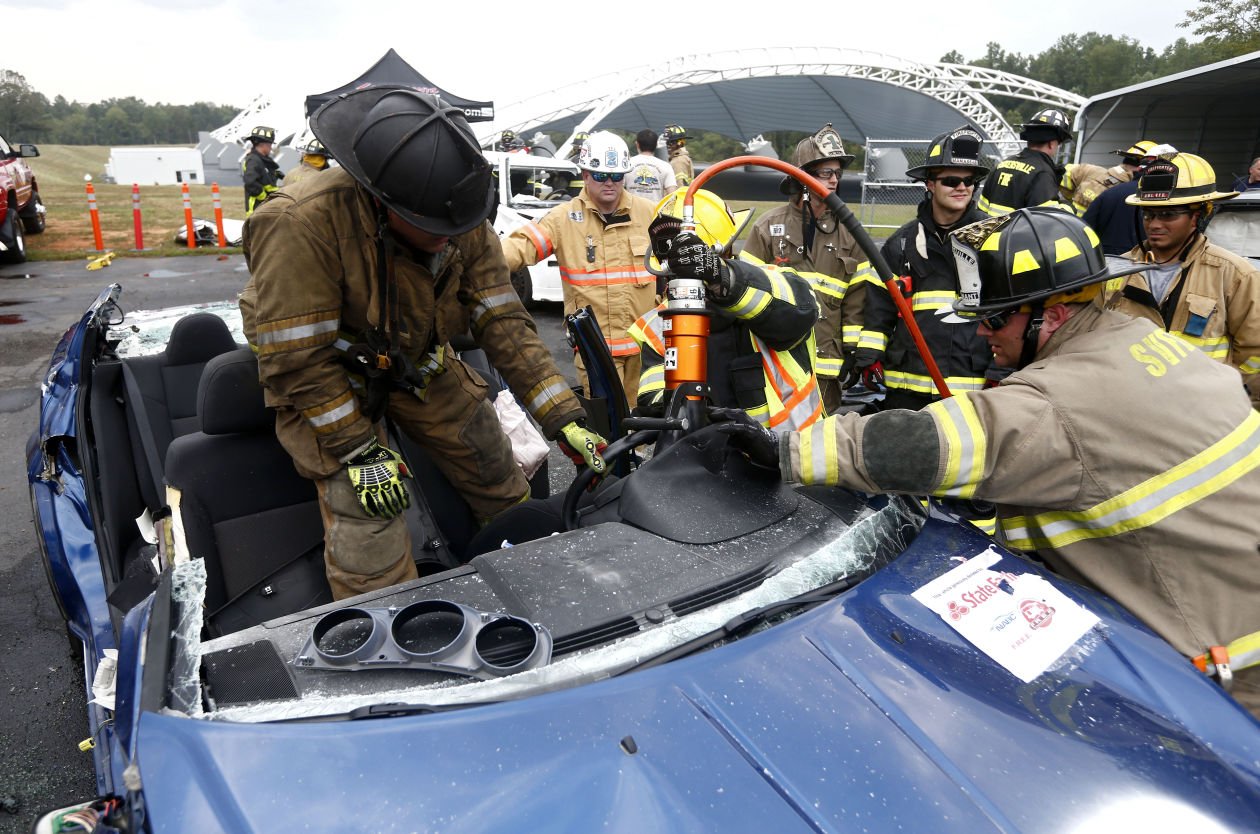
column 248, row 674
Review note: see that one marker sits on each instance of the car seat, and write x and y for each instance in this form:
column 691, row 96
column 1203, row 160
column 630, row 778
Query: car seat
column 243, row 506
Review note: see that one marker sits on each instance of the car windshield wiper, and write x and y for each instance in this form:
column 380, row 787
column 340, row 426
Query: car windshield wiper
column 389, row 710
column 747, row 620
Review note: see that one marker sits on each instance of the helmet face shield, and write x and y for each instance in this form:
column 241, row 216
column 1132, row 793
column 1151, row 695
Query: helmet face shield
column 966, row 243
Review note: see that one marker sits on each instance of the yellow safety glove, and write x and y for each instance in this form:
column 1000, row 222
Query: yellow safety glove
column 583, row 446
column 376, row 473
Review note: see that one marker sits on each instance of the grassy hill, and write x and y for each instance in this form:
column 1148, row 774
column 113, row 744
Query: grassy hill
column 60, row 169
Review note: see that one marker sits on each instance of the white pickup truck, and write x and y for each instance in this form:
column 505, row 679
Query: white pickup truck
column 529, row 186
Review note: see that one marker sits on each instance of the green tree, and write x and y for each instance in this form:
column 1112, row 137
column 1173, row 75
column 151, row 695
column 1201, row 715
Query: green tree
column 27, row 115
column 1232, row 22
column 24, row 113
column 1092, row 63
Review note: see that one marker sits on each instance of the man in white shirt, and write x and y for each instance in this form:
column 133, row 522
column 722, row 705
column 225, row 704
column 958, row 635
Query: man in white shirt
column 650, row 177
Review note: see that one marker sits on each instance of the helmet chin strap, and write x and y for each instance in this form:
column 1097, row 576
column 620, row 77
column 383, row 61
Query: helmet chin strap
column 1031, row 334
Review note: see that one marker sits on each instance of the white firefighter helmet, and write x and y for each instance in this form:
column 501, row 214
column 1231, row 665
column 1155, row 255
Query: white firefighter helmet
column 604, row 151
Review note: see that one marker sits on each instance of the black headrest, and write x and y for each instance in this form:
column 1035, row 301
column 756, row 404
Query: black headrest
column 230, row 400
column 196, row 338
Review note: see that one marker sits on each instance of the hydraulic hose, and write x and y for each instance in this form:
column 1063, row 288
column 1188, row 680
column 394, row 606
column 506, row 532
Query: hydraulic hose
column 845, row 215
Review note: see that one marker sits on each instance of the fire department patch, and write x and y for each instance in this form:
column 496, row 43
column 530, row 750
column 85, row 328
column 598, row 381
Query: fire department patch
column 576, row 216
column 778, row 230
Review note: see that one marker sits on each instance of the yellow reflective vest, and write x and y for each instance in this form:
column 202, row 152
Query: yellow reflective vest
column 759, row 348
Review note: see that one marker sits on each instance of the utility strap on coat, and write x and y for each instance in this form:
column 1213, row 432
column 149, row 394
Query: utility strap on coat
column 1220, row 662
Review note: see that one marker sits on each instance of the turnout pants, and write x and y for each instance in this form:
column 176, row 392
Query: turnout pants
column 457, row 427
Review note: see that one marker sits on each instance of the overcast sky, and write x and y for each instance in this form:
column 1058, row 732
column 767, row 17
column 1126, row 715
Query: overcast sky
column 229, row 51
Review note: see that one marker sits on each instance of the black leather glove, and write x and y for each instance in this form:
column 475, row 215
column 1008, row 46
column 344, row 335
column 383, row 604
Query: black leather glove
column 662, row 231
column 691, row 257
column 750, row 438
column 848, row 371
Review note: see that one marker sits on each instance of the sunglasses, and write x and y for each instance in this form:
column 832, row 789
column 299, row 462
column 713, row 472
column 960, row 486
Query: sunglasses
column 605, row 176
column 954, row 182
column 996, row 321
column 1149, row 215
column 827, row 173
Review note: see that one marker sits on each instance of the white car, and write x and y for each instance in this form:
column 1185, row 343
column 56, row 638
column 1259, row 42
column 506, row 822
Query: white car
column 1236, row 225
column 529, row 187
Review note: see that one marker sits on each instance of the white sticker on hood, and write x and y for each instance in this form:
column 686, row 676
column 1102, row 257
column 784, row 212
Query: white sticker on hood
column 1020, row 620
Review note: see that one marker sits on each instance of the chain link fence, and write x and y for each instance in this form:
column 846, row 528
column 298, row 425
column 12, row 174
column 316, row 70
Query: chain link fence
column 889, row 197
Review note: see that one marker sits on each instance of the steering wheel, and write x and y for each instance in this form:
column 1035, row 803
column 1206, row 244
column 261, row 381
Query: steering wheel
column 614, row 450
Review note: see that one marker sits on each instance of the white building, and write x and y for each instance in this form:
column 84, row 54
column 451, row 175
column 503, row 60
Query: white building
column 155, row 166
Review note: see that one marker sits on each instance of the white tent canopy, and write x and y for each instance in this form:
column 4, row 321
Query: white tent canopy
column 743, row 93
column 746, row 92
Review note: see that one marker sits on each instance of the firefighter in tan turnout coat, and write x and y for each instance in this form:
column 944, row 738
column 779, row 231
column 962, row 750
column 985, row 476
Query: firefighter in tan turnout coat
column 353, row 299
column 599, row 239
column 1160, row 516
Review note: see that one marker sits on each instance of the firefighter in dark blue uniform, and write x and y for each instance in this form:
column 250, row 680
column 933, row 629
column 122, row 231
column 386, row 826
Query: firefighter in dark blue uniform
column 1030, row 177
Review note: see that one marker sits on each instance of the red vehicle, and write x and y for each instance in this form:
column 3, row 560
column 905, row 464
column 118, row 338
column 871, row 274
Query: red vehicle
column 21, row 211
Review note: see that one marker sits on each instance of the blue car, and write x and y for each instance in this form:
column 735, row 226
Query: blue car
column 703, row 650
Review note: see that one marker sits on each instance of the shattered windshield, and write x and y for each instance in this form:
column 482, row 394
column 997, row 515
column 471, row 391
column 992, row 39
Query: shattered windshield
column 146, row 332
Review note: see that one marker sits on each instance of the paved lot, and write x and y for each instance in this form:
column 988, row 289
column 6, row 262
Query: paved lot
column 43, row 717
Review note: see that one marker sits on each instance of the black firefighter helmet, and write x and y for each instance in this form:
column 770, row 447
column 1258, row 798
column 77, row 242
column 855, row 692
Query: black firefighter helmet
column 1034, row 255
column 1045, row 126
column 958, row 148
column 412, row 152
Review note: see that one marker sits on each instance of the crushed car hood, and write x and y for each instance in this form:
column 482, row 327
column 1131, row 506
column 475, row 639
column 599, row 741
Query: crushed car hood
column 866, row 714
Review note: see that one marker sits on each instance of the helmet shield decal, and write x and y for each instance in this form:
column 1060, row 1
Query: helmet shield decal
column 968, row 265
column 966, row 243
column 1159, row 181
column 964, row 150
column 828, row 141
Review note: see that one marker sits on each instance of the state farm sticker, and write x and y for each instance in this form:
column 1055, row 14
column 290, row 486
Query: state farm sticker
column 1020, row 620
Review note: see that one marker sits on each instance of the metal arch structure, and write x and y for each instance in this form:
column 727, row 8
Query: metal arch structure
column 964, row 89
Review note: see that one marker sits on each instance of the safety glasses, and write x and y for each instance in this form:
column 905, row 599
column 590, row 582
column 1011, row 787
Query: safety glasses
column 827, row 173
column 954, row 182
column 996, row 321
column 605, row 176
column 1150, row 215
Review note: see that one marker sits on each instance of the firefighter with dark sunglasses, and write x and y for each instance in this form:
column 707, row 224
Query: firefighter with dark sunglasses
column 919, row 252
